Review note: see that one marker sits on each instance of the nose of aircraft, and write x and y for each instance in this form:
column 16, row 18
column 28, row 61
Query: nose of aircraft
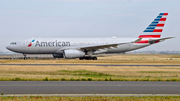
column 8, row 47
column 13, row 47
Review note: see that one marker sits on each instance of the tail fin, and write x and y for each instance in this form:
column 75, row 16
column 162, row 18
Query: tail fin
column 155, row 29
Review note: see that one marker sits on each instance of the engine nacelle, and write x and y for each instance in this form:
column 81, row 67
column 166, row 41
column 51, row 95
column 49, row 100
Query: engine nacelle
column 70, row 54
column 57, row 55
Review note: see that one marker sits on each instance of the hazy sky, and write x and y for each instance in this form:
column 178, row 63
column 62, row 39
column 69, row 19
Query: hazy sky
column 22, row 19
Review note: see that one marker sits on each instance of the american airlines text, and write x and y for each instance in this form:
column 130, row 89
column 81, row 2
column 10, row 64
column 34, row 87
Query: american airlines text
column 52, row 44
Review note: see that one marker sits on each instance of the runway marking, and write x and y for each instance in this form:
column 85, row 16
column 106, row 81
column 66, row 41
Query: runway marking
column 80, row 95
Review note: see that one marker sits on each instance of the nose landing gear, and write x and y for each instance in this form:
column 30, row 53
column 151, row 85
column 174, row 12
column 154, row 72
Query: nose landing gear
column 25, row 58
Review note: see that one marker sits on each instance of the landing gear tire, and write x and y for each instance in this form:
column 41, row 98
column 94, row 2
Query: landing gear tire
column 25, row 58
column 94, row 58
column 88, row 58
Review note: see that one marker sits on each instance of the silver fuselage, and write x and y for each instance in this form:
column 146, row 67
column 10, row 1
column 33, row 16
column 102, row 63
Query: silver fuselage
column 57, row 45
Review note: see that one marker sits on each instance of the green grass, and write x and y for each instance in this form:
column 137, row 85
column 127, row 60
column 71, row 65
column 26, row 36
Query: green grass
column 88, row 98
column 85, row 73
column 158, row 72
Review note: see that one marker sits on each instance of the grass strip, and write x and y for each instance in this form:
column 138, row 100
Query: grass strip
column 84, row 73
column 158, row 72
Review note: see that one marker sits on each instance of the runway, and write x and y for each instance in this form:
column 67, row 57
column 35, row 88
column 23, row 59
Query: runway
column 105, row 65
column 89, row 87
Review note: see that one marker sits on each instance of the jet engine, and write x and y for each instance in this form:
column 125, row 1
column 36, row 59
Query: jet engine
column 70, row 54
column 57, row 55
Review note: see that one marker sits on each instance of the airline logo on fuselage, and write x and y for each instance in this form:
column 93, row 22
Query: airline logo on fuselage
column 52, row 43
column 31, row 43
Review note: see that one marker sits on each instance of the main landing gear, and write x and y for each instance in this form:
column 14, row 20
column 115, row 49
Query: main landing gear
column 88, row 58
column 25, row 58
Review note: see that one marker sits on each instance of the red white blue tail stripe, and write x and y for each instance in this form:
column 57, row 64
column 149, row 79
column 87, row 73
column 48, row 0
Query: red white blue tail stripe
column 155, row 29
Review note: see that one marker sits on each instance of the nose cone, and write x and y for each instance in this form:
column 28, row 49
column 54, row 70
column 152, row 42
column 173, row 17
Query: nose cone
column 8, row 47
column 11, row 48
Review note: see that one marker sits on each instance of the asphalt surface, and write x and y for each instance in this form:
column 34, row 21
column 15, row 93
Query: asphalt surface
column 105, row 65
column 89, row 87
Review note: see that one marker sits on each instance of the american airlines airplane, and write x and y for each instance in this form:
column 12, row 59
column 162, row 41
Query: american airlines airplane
column 85, row 48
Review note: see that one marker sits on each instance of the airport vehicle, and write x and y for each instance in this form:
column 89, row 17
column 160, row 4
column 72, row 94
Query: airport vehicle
column 85, row 48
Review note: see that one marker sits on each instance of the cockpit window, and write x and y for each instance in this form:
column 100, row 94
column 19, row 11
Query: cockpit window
column 13, row 43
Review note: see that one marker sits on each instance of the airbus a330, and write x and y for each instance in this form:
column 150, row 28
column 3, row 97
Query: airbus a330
column 86, row 48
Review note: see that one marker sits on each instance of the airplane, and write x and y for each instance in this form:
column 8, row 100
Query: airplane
column 86, row 48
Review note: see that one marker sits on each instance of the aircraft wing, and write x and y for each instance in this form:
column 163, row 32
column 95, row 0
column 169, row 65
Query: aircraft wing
column 96, row 47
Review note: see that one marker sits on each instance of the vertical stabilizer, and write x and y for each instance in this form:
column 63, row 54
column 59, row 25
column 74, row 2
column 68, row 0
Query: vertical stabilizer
column 155, row 29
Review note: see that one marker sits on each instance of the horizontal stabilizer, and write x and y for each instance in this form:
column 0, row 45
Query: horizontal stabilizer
column 158, row 40
column 138, row 40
